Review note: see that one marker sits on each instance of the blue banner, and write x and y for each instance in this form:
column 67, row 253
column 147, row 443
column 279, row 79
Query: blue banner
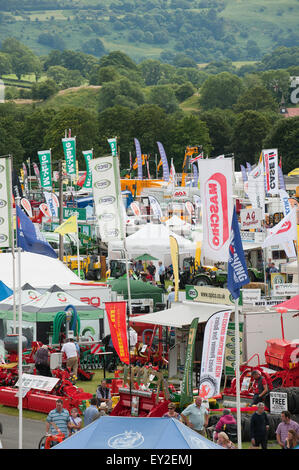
column 244, row 173
column 29, row 237
column 237, row 273
column 139, row 158
column 164, row 161
column 195, row 174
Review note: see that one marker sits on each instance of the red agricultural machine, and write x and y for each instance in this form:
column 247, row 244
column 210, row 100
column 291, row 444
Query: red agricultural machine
column 281, row 371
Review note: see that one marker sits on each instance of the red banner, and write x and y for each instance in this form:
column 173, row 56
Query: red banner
column 116, row 312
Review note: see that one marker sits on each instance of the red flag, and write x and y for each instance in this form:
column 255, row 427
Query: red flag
column 116, row 313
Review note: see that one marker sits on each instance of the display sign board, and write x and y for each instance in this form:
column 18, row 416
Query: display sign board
column 278, row 402
column 230, row 348
column 212, row 295
column 285, row 289
column 251, row 218
column 250, row 296
column 277, row 278
column 38, row 382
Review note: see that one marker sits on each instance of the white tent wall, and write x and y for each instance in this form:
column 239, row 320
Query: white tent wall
column 154, row 239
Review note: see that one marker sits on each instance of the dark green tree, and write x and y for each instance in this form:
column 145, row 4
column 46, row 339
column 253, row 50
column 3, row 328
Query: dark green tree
column 220, row 91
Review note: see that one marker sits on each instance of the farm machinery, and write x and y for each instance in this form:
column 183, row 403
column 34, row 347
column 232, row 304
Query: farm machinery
column 280, row 370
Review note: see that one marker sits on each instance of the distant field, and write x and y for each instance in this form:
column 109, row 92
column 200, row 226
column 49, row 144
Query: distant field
column 83, row 97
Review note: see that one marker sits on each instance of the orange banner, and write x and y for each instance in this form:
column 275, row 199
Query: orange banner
column 116, row 313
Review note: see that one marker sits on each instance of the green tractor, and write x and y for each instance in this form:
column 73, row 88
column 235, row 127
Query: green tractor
column 210, row 275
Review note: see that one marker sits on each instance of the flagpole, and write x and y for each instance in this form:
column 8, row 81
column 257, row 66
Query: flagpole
column 20, row 348
column 78, row 250
column 237, row 366
column 13, row 255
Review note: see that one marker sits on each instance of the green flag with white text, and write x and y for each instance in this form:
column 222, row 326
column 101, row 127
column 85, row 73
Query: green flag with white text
column 69, row 148
column 45, row 168
column 113, row 146
column 88, row 180
column 187, row 386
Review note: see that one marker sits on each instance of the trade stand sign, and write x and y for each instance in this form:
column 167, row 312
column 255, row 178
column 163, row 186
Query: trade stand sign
column 285, row 289
column 212, row 295
column 278, row 402
column 251, row 218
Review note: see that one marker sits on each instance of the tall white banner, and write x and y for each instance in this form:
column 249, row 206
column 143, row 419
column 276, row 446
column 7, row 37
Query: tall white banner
column 213, row 352
column 107, row 197
column 285, row 231
column 155, row 206
column 5, row 203
column 256, row 187
column 216, row 190
column 271, row 171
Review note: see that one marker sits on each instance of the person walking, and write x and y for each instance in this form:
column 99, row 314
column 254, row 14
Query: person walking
column 70, row 350
column 42, row 361
column 58, row 419
column 161, row 272
column 91, row 413
column 284, row 427
column 196, row 416
column 259, row 427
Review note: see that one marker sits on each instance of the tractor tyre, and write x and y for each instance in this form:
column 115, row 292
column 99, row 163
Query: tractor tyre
column 202, row 281
column 97, row 275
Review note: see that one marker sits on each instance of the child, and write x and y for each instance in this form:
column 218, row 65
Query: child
column 75, row 421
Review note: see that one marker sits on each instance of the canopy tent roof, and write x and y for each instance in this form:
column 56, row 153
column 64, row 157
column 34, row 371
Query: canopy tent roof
column 290, row 304
column 290, row 268
column 119, row 432
column 156, row 238
column 4, row 291
column 181, row 313
column 28, row 294
column 146, row 257
column 139, row 289
column 37, row 270
column 176, row 221
column 46, row 306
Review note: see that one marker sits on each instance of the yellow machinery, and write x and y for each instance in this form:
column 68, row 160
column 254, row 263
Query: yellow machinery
column 90, row 265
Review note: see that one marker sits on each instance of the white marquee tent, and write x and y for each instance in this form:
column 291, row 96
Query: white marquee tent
column 154, row 239
column 37, row 270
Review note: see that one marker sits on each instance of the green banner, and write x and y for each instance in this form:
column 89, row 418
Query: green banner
column 113, row 146
column 45, row 168
column 69, row 148
column 69, row 211
column 88, row 180
column 187, row 386
column 230, row 356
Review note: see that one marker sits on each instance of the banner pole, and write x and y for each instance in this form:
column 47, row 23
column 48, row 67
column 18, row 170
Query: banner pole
column 20, row 347
column 13, row 253
column 237, row 365
column 128, row 318
column 78, row 249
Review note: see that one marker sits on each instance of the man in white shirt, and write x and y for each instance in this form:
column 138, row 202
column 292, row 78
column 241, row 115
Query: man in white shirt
column 70, row 350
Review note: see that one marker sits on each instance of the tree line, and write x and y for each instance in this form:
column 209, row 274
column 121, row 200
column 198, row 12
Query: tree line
column 234, row 111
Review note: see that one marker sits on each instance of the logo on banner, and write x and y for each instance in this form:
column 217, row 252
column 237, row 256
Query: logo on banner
column 107, row 200
column 102, row 184
column 101, row 167
column 217, row 211
column 126, row 440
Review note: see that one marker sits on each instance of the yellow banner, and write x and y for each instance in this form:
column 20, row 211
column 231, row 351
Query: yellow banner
column 174, row 251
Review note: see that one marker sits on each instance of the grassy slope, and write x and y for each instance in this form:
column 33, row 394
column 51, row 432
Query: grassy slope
column 258, row 18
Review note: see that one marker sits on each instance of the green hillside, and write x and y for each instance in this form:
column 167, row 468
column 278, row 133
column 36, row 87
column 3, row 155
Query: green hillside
column 205, row 30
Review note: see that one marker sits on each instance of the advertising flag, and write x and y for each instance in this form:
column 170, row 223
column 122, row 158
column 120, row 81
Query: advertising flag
column 195, row 175
column 113, row 146
column 244, row 173
column 164, row 161
column 281, row 178
column 284, row 197
column 284, row 231
column 88, row 154
column 69, row 149
column 5, row 203
column 16, row 185
column 237, row 273
column 25, row 173
column 174, row 251
column 155, row 206
column 107, row 197
column 271, row 171
column 187, row 386
column 213, row 354
column 27, row 206
column 116, row 314
column 29, row 237
column 51, row 203
column 69, row 226
column 139, row 158
column 45, row 168
column 37, row 174
column 216, row 186
column 256, row 187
